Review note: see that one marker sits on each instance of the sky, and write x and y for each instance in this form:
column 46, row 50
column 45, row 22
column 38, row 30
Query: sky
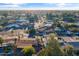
column 24, row 4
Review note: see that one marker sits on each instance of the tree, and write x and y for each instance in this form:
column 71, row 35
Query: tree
column 53, row 41
column 5, row 15
column 38, row 39
column 14, row 46
column 69, row 50
column 6, row 50
column 1, row 41
column 32, row 33
column 28, row 51
column 45, row 52
column 49, row 16
column 53, row 48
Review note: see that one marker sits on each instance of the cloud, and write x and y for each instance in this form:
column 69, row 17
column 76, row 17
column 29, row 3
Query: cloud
column 61, row 6
column 13, row 1
column 38, row 1
column 8, row 5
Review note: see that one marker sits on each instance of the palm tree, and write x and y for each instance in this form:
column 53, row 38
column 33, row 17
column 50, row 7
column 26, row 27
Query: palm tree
column 14, row 46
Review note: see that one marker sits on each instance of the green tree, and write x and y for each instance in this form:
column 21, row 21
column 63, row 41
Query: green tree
column 6, row 50
column 53, row 48
column 69, row 50
column 5, row 15
column 1, row 41
column 28, row 51
column 32, row 32
column 45, row 52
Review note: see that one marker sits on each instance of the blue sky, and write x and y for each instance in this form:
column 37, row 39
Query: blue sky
column 40, row 6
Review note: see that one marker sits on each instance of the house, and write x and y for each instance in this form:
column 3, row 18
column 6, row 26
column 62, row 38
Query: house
column 73, row 41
